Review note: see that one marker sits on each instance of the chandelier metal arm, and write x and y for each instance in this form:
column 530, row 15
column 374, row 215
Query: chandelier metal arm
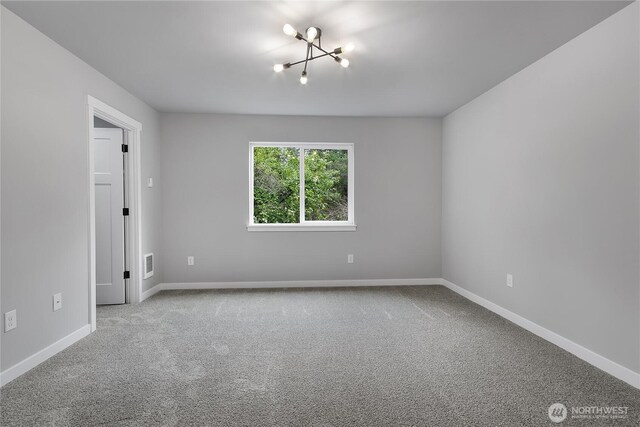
column 332, row 54
column 311, row 58
column 306, row 58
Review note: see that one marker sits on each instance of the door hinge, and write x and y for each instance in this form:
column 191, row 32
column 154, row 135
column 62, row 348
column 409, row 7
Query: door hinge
column 127, row 274
column 125, row 211
column 125, row 148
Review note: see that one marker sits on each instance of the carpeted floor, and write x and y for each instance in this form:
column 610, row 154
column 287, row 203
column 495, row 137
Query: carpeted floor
column 393, row 356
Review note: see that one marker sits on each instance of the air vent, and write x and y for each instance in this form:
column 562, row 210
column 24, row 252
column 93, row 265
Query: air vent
column 148, row 265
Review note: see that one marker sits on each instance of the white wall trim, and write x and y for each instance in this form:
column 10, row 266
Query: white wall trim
column 301, row 227
column 589, row 356
column 132, row 133
column 299, row 284
column 34, row 360
column 151, row 292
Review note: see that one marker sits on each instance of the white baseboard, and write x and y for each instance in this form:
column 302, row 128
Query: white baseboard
column 34, row 360
column 299, row 284
column 151, row 292
column 601, row 362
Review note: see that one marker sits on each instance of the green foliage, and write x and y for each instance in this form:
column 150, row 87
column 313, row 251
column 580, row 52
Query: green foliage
column 277, row 185
column 276, row 188
column 326, row 185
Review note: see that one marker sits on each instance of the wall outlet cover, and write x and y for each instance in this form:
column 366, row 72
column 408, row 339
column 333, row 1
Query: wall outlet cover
column 510, row 280
column 10, row 320
column 191, row 260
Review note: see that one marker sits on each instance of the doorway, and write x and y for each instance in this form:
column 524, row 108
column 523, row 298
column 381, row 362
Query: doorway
column 114, row 207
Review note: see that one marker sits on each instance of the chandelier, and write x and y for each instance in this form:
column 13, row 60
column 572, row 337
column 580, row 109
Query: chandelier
column 313, row 42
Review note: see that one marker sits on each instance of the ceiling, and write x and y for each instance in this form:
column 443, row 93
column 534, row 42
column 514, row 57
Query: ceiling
column 411, row 58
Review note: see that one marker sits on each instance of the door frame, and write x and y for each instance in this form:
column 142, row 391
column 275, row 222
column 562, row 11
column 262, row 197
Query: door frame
column 133, row 243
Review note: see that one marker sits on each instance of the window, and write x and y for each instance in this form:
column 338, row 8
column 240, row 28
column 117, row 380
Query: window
column 301, row 186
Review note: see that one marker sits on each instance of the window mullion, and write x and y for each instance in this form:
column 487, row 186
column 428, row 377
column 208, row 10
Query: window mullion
column 302, row 204
column 252, row 177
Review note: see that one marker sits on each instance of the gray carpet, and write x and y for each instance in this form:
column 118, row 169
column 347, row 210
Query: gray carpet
column 394, row 356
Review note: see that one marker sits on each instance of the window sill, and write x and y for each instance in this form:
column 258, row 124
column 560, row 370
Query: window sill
column 301, row 227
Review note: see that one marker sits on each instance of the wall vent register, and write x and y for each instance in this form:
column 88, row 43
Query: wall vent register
column 148, row 265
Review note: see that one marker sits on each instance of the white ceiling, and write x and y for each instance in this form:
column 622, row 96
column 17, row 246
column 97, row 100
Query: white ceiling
column 411, row 58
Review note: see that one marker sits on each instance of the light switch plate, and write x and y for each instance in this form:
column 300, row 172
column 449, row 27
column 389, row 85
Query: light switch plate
column 57, row 302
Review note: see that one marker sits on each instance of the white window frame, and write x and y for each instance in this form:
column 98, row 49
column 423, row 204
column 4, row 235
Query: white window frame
column 305, row 225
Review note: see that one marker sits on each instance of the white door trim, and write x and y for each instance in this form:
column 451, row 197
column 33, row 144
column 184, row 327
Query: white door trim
column 132, row 129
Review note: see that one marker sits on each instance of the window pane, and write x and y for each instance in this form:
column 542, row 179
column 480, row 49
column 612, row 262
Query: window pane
column 326, row 185
column 276, row 185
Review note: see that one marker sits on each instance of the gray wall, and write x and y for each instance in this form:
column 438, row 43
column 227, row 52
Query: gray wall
column 45, row 185
column 205, row 200
column 541, row 180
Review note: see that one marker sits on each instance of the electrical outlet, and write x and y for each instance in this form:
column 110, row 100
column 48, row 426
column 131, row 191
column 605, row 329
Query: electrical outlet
column 150, row 182
column 10, row 320
column 57, row 302
column 191, row 260
column 350, row 259
column 510, row 280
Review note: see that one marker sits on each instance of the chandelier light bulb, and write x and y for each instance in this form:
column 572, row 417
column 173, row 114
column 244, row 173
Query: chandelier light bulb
column 312, row 33
column 303, row 78
column 348, row 48
column 289, row 30
column 344, row 49
column 344, row 62
column 278, row 67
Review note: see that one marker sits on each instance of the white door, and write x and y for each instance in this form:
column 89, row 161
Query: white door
column 110, row 251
